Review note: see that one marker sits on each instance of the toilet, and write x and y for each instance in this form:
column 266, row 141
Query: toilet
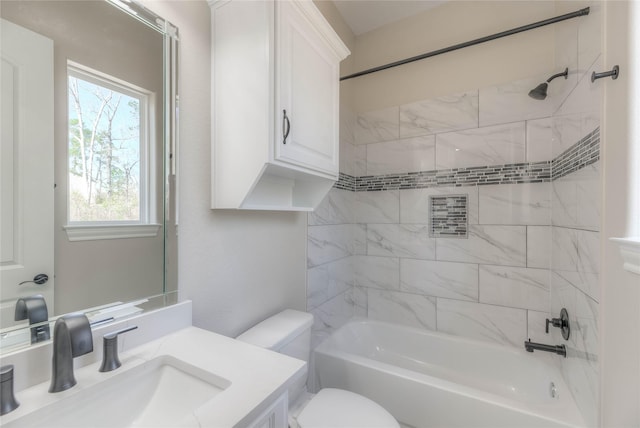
column 289, row 333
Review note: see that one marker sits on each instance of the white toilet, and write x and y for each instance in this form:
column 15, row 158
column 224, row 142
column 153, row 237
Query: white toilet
column 289, row 333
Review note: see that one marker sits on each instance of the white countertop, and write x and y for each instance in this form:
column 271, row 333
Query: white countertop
column 257, row 376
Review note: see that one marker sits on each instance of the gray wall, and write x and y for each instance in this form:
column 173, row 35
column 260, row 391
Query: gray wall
column 238, row 267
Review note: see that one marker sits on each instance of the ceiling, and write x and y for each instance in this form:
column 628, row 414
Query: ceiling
column 366, row 15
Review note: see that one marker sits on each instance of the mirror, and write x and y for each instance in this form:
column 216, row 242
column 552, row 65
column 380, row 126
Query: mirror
column 88, row 173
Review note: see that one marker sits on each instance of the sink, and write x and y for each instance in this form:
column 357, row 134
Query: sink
column 163, row 392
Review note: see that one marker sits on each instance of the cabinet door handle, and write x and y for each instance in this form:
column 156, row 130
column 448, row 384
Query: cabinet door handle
column 286, row 127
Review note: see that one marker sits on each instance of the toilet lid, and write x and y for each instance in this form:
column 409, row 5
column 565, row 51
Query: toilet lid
column 337, row 408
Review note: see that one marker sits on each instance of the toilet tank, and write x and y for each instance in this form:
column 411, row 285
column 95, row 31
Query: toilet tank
column 288, row 332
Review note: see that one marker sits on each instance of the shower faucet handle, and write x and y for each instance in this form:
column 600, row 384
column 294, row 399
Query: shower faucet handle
column 562, row 323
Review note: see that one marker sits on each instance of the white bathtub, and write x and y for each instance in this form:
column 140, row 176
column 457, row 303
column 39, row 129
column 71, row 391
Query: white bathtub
column 429, row 379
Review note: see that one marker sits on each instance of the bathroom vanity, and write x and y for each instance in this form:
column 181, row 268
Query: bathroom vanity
column 178, row 376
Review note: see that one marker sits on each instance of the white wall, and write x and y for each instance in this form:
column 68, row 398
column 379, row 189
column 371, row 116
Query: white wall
column 620, row 303
column 237, row 267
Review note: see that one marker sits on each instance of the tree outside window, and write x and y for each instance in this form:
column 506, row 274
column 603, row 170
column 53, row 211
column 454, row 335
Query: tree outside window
column 107, row 150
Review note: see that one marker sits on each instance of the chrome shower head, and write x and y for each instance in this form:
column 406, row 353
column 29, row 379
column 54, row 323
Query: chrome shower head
column 540, row 91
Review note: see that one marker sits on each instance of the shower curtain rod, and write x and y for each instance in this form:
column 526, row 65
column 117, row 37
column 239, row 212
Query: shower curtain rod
column 517, row 30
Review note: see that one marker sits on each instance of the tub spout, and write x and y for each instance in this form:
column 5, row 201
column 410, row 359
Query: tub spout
column 556, row 349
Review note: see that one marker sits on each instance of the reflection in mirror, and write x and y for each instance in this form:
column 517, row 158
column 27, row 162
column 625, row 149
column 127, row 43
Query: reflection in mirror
column 87, row 175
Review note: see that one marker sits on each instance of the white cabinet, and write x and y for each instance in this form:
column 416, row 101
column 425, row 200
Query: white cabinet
column 276, row 416
column 275, row 84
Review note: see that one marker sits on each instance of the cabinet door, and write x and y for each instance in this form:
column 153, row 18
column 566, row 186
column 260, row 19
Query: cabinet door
column 307, row 85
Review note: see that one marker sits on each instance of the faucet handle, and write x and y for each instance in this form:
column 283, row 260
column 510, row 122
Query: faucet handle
column 110, row 360
column 562, row 323
column 8, row 402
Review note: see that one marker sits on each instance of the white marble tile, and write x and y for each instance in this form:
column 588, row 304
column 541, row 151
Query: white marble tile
column 507, row 326
column 502, row 245
column 576, row 199
column 333, row 314
column 359, row 298
column 335, row 208
column 440, row 279
column 566, row 131
column 515, row 287
column 328, row 280
column 377, row 126
column 493, row 145
column 564, row 249
column 510, row 102
column 377, row 207
column 414, row 203
column 539, row 140
column 401, row 156
column 400, row 240
column 586, row 282
column 582, row 106
column 521, row 204
column 588, row 197
column 377, row 272
column 581, row 367
column 359, row 160
column 359, row 239
column 442, row 114
column 536, row 322
column 588, row 251
column 564, row 202
column 539, row 247
column 329, row 243
column 402, row 308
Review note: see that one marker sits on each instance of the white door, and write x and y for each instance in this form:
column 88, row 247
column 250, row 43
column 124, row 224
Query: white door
column 26, row 167
column 307, row 92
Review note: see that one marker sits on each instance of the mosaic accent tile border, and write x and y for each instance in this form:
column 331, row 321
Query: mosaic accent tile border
column 448, row 216
column 583, row 153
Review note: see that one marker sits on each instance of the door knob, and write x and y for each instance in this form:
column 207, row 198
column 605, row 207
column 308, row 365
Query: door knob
column 39, row 279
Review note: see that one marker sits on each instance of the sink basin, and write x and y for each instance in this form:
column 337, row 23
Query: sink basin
column 163, row 392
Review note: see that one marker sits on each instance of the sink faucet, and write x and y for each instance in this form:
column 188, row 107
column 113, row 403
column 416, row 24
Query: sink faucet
column 34, row 308
column 71, row 338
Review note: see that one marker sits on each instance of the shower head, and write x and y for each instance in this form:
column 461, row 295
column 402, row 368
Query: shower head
column 540, row 91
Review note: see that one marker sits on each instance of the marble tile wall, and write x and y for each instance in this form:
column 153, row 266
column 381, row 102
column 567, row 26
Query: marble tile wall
column 369, row 244
column 576, row 210
column 530, row 172
column 533, row 234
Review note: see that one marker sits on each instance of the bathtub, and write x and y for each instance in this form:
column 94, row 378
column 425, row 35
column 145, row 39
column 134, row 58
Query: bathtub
column 429, row 379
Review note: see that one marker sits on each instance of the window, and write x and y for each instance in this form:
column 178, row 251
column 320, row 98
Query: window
column 109, row 133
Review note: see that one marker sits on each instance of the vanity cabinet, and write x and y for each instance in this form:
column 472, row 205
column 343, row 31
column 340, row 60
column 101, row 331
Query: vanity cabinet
column 276, row 416
column 275, row 85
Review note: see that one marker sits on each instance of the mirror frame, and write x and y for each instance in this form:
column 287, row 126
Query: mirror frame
column 169, row 295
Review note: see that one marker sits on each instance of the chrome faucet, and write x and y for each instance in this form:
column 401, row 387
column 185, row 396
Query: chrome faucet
column 71, row 338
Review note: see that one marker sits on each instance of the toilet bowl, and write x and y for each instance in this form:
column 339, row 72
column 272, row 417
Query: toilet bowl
column 289, row 333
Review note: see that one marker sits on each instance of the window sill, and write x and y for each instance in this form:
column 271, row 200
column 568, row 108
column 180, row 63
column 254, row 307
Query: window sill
column 630, row 251
column 99, row 232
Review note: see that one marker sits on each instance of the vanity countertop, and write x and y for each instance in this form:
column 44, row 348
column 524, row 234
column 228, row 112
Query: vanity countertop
column 257, row 376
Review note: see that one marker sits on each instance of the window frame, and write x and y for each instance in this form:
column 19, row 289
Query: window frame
column 147, row 224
